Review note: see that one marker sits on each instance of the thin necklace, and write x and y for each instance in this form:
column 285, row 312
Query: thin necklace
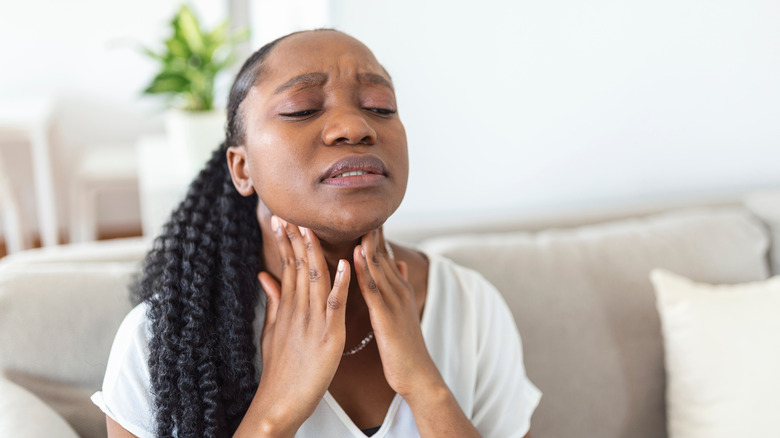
column 359, row 346
column 370, row 334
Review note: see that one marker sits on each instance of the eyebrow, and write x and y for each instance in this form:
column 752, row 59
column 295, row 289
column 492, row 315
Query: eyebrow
column 306, row 79
column 314, row 79
column 375, row 79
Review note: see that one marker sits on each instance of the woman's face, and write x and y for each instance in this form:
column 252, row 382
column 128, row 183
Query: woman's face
column 325, row 148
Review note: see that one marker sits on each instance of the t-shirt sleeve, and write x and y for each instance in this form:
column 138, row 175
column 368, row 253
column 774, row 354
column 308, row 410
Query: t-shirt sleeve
column 126, row 395
column 504, row 398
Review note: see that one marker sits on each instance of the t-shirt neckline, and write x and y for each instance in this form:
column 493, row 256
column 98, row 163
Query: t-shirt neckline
column 397, row 399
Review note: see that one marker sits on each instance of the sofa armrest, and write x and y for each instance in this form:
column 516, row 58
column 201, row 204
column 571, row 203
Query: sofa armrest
column 23, row 415
column 131, row 249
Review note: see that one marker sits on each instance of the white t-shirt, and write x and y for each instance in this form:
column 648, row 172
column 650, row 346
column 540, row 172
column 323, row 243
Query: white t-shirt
column 469, row 332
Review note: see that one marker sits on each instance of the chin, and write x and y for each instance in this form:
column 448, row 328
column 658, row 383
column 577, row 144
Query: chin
column 349, row 227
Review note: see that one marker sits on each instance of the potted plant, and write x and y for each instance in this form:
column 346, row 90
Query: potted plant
column 188, row 67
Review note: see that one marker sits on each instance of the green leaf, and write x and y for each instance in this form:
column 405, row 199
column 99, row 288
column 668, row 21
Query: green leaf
column 190, row 29
column 148, row 52
column 168, row 83
column 219, row 34
column 178, row 48
column 214, row 40
column 191, row 60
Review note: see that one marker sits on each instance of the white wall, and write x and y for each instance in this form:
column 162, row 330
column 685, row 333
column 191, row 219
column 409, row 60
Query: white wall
column 525, row 107
column 511, row 107
column 515, row 106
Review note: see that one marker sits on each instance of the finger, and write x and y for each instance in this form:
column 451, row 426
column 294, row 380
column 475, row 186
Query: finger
column 383, row 247
column 273, row 294
column 368, row 287
column 319, row 276
column 403, row 269
column 384, row 270
column 295, row 238
column 286, row 256
column 382, row 244
column 399, row 285
column 376, row 266
column 337, row 299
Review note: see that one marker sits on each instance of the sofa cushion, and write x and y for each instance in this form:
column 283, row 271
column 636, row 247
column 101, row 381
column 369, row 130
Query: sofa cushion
column 722, row 345
column 22, row 415
column 57, row 323
column 58, row 320
column 585, row 308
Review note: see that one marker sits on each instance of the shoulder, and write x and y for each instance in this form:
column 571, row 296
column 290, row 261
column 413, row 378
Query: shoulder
column 433, row 270
column 126, row 395
column 461, row 283
column 137, row 318
column 461, row 300
column 463, row 306
column 131, row 344
column 135, row 327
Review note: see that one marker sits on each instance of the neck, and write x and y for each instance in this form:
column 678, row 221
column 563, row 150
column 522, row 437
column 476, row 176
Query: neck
column 357, row 311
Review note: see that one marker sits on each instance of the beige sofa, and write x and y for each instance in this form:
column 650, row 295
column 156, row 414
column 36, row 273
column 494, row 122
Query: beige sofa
column 580, row 295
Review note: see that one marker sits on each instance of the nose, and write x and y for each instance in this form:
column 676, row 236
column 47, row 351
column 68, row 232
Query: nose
column 348, row 126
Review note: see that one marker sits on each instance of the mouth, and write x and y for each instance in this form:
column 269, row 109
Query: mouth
column 355, row 171
column 352, row 173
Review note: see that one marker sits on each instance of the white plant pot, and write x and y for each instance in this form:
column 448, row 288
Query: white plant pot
column 194, row 135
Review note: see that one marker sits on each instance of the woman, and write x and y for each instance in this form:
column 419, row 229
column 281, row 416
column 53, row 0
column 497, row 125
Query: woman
column 357, row 336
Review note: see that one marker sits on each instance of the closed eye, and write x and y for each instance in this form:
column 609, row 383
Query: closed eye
column 300, row 114
column 381, row 111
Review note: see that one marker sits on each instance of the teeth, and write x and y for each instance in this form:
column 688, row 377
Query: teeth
column 352, row 173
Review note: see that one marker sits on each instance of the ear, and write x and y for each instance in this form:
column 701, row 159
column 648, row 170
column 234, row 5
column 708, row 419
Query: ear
column 239, row 170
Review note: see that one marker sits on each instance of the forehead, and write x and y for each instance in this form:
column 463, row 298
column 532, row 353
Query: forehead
column 329, row 52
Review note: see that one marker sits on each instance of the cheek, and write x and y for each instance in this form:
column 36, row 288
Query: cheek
column 279, row 177
column 273, row 159
column 277, row 173
column 401, row 151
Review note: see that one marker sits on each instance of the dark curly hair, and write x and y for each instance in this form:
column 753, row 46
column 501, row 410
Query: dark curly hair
column 199, row 281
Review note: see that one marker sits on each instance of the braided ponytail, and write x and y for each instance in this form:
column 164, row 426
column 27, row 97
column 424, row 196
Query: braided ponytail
column 200, row 284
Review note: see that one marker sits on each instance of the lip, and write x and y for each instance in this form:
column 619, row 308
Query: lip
column 373, row 165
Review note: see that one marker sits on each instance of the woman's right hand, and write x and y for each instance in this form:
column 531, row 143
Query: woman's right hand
column 303, row 336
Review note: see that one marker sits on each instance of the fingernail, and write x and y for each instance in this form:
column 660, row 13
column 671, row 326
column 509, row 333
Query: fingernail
column 303, row 231
column 274, row 223
column 342, row 266
column 362, row 251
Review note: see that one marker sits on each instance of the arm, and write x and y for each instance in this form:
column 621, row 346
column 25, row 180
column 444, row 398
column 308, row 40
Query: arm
column 408, row 367
column 304, row 319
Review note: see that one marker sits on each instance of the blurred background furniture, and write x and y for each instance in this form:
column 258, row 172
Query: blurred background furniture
column 14, row 234
column 27, row 121
column 580, row 294
column 163, row 179
column 101, row 171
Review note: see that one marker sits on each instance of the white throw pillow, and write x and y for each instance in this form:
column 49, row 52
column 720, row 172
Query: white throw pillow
column 722, row 349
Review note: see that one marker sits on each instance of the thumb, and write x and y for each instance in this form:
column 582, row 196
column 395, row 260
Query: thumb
column 273, row 293
column 403, row 269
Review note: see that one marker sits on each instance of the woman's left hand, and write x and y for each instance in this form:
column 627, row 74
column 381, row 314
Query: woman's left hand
column 395, row 317
column 408, row 367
